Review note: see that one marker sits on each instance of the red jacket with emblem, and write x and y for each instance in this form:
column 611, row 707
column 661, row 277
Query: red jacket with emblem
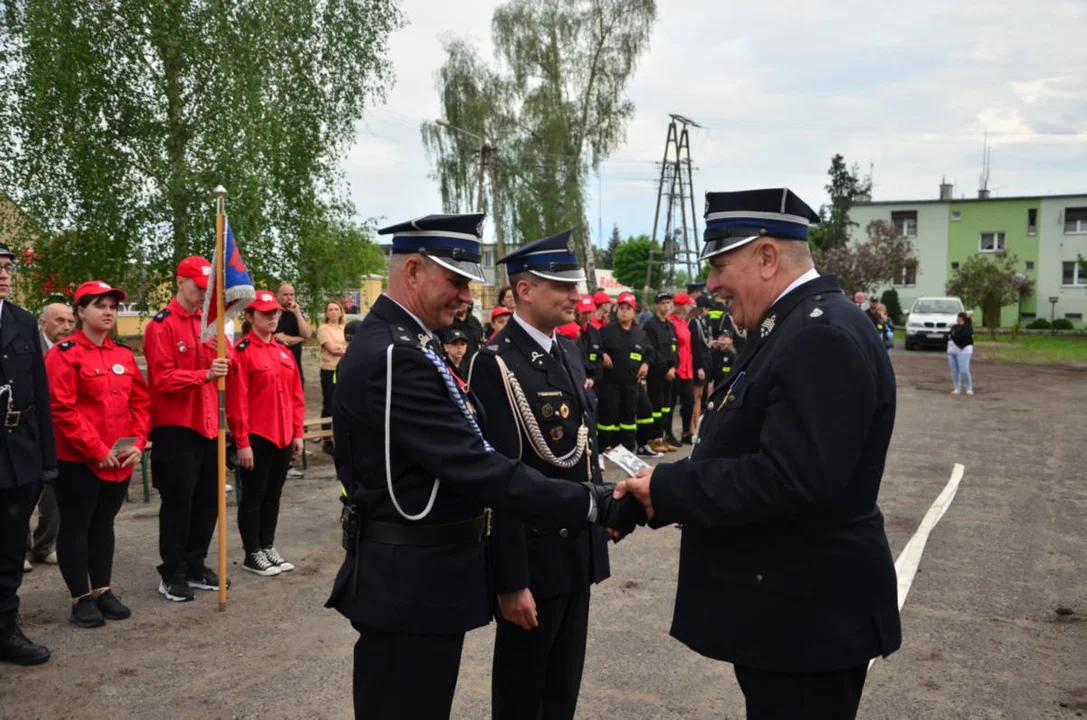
column 271, row 403
column 177, row 371
column 97, row 395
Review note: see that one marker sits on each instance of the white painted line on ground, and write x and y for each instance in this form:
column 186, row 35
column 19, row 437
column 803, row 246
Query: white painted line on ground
column 910, row 558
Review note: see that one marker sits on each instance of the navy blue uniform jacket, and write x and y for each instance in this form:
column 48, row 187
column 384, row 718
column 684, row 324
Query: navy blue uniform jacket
column 549, row 563
column 27, row 450
column 423, row 590
column 784, row 564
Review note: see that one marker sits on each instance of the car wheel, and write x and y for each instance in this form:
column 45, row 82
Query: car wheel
column 909, row 345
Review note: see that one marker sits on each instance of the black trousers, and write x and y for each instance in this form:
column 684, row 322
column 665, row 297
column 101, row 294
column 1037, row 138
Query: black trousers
column 88, row 506
column 262, row 488
column 405, row 676
column 328, row 391
column 683, row 398
column 647, row 424
column 41, row 542
column 812, row 696
column 537, row 673
column 184, row 469
column 616, row 415
column 16, row 506
column 660, row 394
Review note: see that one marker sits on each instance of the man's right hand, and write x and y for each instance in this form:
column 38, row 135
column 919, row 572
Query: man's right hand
column 245, row 458
column 219, row 368
column 607, row 361
column 519, row 608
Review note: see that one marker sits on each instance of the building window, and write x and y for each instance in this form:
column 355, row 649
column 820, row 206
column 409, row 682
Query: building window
column 1072, row 274
column 956, row 216
column 954, row 266
column 1074, row 317
column 1030, row 265
column 1075, row 221
column 1032, row 221
column 905, row 222
column 488, row 258
column 906, row 276
column 991, row 242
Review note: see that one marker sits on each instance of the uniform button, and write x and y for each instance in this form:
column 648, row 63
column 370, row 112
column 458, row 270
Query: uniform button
column 710, row 406
column 563, row 532
column 732, row 398
column 758, row 578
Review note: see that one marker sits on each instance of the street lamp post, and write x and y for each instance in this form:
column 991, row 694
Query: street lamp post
column 1052, row 313
column 486, row 164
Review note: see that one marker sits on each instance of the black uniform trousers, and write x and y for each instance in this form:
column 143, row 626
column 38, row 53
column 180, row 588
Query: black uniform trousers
column 556, row 647
column 390, row 670
column 16, row 507
column 184, row 469
column 660, row 394
column 262, row 488
column 683, row 398
column 43, row 540
column 647, row 425
column 616, row 418
column 773, row 695
column 85, row 545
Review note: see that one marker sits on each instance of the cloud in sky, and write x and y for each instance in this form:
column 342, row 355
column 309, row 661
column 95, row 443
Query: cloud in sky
column 779, row 88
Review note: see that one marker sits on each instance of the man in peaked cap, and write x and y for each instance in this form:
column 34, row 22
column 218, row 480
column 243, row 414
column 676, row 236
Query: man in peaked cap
column 532, row 385
column 785, row 570
column 418, row 474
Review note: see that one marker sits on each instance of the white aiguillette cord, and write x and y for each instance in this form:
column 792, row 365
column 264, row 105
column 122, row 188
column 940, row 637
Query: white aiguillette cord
column 454, row 394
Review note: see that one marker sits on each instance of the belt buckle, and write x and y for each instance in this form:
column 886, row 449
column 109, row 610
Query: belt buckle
column 490, row 515
column 12, row 417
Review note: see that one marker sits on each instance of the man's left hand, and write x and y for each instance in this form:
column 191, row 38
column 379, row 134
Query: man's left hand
column 638, row 487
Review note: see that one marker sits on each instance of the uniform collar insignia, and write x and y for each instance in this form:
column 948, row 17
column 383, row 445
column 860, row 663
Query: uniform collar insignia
column 816, row 313
column 767, row 326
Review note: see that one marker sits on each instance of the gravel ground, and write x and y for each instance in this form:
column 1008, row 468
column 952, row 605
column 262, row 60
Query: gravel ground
column 993, row 626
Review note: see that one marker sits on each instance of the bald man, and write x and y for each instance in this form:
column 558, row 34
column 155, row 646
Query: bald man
column 293, row 330
column 57, row 323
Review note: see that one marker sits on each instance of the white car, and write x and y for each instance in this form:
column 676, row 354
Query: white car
column 930, row 321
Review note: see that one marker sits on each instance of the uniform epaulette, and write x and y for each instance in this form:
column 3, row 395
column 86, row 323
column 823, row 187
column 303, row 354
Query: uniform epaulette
column 126, row 347
column 280, row 342
column 66, row 345
column 242, row 345
column 162, row 314
column 402, row 335
column 812, row 310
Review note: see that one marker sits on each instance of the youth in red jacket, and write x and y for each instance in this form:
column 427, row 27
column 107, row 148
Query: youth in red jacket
column 97, row 397
column 269, row 433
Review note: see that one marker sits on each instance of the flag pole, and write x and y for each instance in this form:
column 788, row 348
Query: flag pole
column 220, row 330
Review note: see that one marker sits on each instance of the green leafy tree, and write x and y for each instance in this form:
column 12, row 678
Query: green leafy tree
column 867, row 265
column 119, row 117
column 549, row 113
column 631, row 258
column 845, row 184
column 990, row 282
column 608, row 256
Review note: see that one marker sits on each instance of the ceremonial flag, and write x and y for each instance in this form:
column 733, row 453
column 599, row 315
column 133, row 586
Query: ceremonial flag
column 237, row 288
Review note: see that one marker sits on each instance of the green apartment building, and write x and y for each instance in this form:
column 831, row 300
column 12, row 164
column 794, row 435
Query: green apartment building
column 1048, row 233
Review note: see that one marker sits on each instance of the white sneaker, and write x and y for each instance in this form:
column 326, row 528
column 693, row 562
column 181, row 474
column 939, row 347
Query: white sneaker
column 276, row 559
column 969, row 392
column 27, row 567
column 292, row 473
column 953, row 392
column 259, row 564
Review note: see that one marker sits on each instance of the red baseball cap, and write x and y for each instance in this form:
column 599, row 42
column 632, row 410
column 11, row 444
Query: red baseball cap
column 682, row 299
column 499, row 311
column 97, row 287
column 627, row 298
column 570, row 330
column 586, row 304
column 264, row 301
column 197, row 268
column 601, row 297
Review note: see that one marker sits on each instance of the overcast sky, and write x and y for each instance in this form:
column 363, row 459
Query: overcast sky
column 781, row 86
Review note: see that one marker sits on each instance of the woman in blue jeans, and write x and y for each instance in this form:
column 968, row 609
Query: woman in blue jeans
column 960, row 348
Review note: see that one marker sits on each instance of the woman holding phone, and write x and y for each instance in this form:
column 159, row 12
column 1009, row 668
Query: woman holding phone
column 269, row 435
column 101, row 411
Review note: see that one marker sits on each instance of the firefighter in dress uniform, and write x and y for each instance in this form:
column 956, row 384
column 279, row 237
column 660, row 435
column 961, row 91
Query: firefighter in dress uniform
column 418, row 475
column 533, row 388
column 784, row 566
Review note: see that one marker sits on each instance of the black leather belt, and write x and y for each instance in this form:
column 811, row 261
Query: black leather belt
column 15, row 418
column 537, row 532
column 458, row 533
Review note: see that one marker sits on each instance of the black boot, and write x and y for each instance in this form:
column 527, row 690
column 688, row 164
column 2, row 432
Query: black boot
column 16, row 648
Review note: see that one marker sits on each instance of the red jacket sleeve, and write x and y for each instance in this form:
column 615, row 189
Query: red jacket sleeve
column 139, row 407
column 237, row 398
column 69, row 422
